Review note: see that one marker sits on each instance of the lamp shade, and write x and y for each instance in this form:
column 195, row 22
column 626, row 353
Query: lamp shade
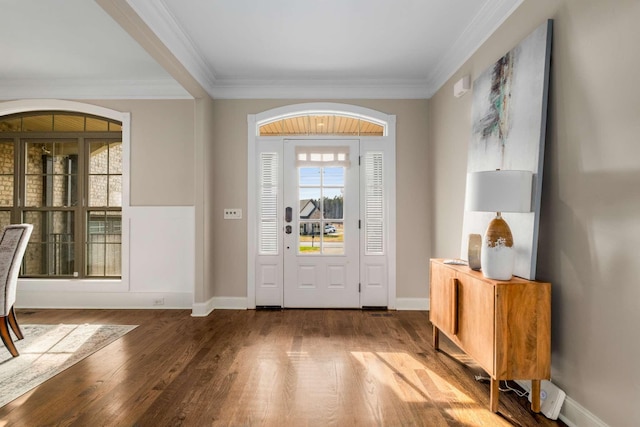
column 499, row 191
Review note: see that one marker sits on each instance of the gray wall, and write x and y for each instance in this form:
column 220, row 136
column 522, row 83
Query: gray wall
column 590, row 221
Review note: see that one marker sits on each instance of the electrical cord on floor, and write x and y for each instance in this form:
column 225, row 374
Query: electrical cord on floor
column 515, row 390
column 507, row 388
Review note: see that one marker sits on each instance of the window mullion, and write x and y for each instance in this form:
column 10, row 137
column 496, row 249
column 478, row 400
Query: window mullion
column 18, row 185
column 80, row 209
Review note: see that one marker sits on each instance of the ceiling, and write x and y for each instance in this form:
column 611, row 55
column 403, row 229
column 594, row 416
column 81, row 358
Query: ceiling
column 240, row 48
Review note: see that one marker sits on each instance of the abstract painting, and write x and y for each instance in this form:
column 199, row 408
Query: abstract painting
column 509, row 112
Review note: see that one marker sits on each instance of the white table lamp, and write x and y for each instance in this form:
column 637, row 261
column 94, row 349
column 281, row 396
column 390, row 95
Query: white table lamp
column 498, row 191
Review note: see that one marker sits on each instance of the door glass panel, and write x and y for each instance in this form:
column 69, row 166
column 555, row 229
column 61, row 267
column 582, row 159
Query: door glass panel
column 310, row 203
column 310, row 237
column 321, row 197
column 333, row 239
column 333, row 203
column 333, row 176
column 309, row 176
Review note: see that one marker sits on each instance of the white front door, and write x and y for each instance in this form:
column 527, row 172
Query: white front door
column 321, row 223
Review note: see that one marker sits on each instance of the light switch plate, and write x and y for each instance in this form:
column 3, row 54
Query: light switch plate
column 232, row 213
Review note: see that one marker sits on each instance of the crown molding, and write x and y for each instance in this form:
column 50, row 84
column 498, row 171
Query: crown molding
column 319, row 89
column 156, row 16
column 492, row 14
column 161, row 21
column 92, row 89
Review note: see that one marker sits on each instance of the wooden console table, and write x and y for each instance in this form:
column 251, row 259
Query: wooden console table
column 503, row 325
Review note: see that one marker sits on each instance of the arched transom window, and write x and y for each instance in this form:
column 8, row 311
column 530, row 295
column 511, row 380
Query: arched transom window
column 321, row 124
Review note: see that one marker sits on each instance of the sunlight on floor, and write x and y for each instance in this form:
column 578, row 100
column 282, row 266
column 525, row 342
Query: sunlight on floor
column 64, row 339
column 413, row 382
column 47, row 350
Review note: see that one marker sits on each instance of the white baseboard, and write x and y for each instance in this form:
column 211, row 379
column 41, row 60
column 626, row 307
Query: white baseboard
column 178, row 300
column 202, row 309
column 104, row 300
column 218, row 303
column 572, row 413
column 575, row 415
column 241, row 303
column 418, row 304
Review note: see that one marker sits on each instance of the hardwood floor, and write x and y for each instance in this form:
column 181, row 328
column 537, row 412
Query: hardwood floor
column 266, row 368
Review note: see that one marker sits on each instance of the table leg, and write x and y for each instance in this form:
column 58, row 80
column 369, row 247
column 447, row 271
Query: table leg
column 535, row 395
column 495, row 395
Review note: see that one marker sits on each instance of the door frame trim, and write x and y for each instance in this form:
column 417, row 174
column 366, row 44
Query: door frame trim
column 253, row 122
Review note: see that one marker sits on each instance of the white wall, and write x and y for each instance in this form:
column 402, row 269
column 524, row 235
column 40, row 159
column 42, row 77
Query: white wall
column 161, row 267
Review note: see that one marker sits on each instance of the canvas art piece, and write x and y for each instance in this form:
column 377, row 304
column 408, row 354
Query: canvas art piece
column 509, row 113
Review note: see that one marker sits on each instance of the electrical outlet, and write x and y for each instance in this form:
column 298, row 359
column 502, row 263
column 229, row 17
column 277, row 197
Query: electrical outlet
column 158, row 301
column 231, row 213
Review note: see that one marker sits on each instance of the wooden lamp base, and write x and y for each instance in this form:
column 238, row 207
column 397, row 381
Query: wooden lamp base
column 497, row 254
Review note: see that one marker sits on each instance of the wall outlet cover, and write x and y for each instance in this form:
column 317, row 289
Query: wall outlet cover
column 551, row 399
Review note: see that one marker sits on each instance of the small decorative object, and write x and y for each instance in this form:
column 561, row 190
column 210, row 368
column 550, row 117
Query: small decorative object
column 498, row 191
column 475, row 249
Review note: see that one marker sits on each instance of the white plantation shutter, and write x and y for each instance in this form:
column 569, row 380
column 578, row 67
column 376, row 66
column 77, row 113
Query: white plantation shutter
column 374, row 202
column 268, row 205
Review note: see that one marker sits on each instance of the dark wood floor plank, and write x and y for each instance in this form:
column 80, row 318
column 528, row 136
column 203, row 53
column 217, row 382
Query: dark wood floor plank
column 265, row 368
